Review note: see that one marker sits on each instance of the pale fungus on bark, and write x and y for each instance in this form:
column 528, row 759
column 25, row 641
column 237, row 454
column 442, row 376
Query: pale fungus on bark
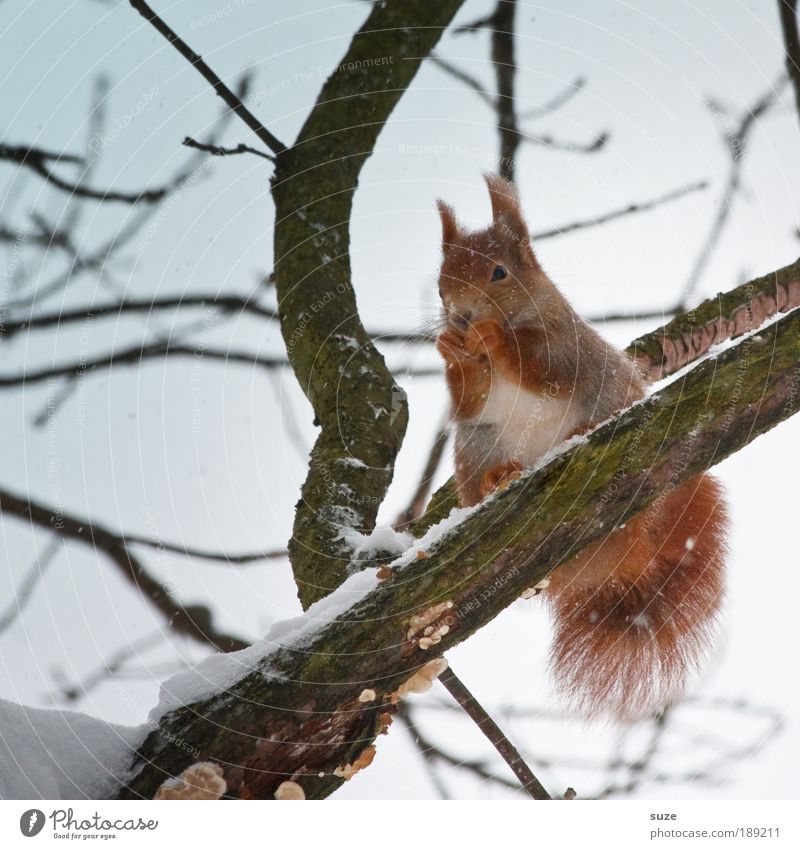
column 420, row 621
column 347, row 771
column 290, row 791
column 422, row 680
column 536, row 589
column 199, row 781
column 367, row 696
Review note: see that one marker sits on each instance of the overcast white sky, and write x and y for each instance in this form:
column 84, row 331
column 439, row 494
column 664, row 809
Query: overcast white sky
column 123, row 449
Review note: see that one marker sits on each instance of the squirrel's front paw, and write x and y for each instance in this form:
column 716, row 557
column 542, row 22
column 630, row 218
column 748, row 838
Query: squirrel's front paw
column 450, row 344
column 500, row 476
column 483, row 337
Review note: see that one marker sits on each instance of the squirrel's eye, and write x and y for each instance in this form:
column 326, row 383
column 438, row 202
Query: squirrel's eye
column 499, row 273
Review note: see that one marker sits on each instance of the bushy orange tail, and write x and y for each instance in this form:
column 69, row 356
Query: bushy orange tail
column 636, row 613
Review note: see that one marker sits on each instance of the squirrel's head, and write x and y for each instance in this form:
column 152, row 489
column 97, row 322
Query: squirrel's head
column 491, row 272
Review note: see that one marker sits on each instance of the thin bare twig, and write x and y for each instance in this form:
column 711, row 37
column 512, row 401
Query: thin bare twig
column 216, row 150
column 533, row 138
column 136, row 354
column 34, row 159
column 200, row 65
column 195, row 621
column 736, row 141
column 464, row 77
column 416, row 506
column 58, row 318
column 18, row 505
column 429, row 754
column 195, row 169
column 225, row 303
column 433, row 753
column 163, row 349
column 556, row 102
column 24, row 591
column 622, row 212
column 530, row 783
column 73, row 692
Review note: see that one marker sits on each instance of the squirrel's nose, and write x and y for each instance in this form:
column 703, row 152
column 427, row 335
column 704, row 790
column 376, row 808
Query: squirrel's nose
column 461, row 318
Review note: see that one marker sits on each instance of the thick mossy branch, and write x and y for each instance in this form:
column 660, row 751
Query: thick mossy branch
column 299, row 714
column 361, row 410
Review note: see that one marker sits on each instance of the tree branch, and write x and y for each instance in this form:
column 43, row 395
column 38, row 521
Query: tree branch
column 77, row 315
column 98, row 258
column 505, row 69
column 419, row 499
column 301, row 711
column 136, row 354
column 737, row 145
column 226, row 303
column 194, row 59
column 23, row 593
column 194, row 621
column 361, row 410
column 216, row 150
column 622, row 212
column 556, row 102
column 506, row 749
column 432, row 753
column 36, row 160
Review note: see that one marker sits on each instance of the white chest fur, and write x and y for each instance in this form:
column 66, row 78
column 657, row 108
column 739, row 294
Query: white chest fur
column 524, row 425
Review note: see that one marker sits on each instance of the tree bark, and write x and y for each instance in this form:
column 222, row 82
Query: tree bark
column 361, row 410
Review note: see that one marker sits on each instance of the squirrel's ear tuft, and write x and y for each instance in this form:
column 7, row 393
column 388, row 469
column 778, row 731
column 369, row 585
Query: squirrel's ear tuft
column 449, row 223
column 507, row 216
column 504, row 197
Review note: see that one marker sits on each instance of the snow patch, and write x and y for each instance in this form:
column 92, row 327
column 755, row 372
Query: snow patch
column 383, row 539
column 219, row 672
column 54, row 754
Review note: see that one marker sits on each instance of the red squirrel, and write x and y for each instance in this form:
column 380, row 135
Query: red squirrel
column 635, row 612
